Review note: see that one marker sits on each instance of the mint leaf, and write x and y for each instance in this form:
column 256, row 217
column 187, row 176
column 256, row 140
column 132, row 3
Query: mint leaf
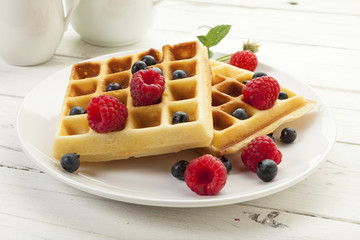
column 210, row 53
column 214, row 36
column 217, row 33
column 204, row 40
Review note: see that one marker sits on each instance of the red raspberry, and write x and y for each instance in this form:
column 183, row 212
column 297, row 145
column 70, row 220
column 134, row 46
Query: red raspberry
column 106, row 114
column 244, row 59
column 146, row 87
column 259, row 149
column 261, row 92
column 205, row 175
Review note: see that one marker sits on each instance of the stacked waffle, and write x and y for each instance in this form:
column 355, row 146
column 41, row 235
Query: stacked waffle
column 207, row 95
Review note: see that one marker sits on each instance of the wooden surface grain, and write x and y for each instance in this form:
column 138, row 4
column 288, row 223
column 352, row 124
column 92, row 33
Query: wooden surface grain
column 317, row 41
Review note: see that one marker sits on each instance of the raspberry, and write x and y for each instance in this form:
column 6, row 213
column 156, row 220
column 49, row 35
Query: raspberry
column 205, row 175
column 244, row 59
column 261, row 92
column 146, row 87
column 259, row 149
column 106, row 114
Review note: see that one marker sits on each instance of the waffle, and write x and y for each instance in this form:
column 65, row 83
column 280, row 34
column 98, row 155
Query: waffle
column 232, row 134
column 149, row 129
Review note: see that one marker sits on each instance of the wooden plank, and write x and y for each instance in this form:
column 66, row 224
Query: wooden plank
column 83, row 215
column 350, row 7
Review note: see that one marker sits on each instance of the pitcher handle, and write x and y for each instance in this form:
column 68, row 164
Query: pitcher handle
column 69, row 13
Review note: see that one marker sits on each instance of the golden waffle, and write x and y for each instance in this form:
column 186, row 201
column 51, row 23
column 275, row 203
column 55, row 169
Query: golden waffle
column 232, row 134
column 149, row 129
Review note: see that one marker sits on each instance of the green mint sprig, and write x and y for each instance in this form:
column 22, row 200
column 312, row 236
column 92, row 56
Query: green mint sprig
column 214, row 36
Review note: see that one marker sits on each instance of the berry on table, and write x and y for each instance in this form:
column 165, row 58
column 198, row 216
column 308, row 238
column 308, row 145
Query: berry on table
column 106, row 114
column 137, row 66
column 148, row 60
column 70, row 162
column 178, row 74
column 240, row 113
column 146, row 87
column 180, row 117
column 283, row 95
column 178, row 169
column 246, row 58
column 226, row 163
column 288, row 135
column 76, row 110
column 267, row 170
column 258, row 74
column 258, row 149
column 113, row 86
column 261, row 92
column 206, row 175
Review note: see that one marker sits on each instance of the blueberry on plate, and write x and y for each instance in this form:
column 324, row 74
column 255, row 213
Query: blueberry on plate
column 245, row 82
column 137, row 66
column 283, row 95
column 178, row 74
column 180, row 117
column 240, row 113
column 158, row 70
column 259, row 74
column 178, row 169
column 267, row 170
column 70, row 162
column 76, row 110
column 288, row 135
column 113, row 86
column 226, row 163
column 271, row 136
column 149, row 60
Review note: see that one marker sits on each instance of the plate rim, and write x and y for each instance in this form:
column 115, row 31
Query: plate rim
column 207, row 202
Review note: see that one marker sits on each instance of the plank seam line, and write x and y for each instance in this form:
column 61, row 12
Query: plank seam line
column 267, row 8
column 58, row 225
column 339, row 219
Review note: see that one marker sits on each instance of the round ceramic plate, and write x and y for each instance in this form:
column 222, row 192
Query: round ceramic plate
column 148, row 180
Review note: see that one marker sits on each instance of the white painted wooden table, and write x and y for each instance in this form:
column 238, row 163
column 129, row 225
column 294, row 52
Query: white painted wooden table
column 317, row 41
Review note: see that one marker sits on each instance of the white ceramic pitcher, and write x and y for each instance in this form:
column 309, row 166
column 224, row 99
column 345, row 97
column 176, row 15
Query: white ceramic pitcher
column 112, row 22
column 31, row 30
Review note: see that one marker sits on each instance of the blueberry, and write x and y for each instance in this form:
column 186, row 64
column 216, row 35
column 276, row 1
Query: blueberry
column 113, row 86
column 76, row 110
column 70, row 162
column 226, row 163
column 259, row 74
column 178, row 169
column 177, row 74
column 288, row 135
column 283, row 95
column 245, row 82
column 180, row 117
column 267, row 170
column 158, row 70
column 271, row 136
column 149, row 60
column 240, row 113
column 139, row 65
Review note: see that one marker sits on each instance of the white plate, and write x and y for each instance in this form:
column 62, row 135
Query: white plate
column 148, row 180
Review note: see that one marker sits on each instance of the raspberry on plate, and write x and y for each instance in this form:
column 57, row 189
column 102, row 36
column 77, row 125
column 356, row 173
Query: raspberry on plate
column 206, row 175
column 259, row 149
column 246, row 58
column 261, row 92
column 147, row 87
column 106, row 114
